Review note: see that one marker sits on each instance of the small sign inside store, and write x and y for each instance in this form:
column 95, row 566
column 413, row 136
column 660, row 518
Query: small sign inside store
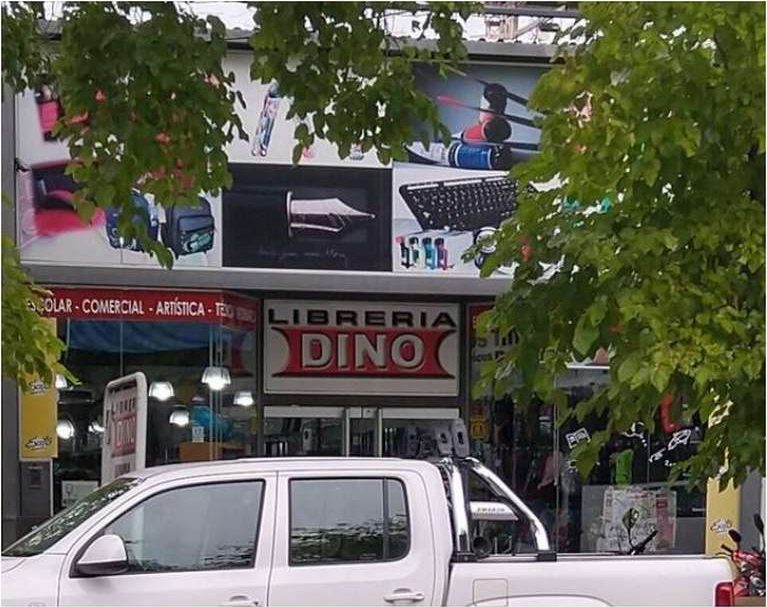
column 125, row 426
column 361, row 348
column 149, row 304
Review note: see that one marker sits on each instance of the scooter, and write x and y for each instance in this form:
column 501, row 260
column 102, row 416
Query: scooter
column 750, row 564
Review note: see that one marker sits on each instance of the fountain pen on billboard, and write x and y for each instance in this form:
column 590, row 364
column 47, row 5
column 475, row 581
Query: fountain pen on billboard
column 330, row 215
column 278, row 215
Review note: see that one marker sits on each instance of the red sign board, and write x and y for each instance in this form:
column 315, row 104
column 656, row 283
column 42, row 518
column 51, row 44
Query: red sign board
column 361, row 348
column 150, row 304
column 367, row 352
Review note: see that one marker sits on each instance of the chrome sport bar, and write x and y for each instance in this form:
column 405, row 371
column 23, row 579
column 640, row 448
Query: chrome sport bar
column 502, row 490
column 451, row 467
column 458, row 510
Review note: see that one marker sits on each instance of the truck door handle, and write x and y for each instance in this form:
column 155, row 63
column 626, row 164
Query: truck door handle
column 404, row 594
column 240, row 600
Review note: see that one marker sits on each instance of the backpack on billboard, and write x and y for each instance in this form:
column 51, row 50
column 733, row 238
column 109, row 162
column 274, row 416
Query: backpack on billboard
column 189, row 230
column 146, row 214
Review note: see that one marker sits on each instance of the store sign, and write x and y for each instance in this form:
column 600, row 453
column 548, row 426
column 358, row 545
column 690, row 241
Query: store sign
column 146, row 304
column 361, row 348
column 125, row 425
column 37, row 419
column 486, row 347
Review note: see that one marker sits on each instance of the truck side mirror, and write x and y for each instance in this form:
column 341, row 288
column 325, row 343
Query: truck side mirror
column 105, row 556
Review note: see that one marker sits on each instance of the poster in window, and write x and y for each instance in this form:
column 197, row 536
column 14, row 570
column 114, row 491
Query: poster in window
column 654, row 509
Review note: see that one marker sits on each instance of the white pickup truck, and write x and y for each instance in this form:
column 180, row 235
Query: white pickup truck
column 322, row 531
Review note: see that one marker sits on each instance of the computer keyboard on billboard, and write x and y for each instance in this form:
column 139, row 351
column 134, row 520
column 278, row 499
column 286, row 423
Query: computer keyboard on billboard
column 461, row 204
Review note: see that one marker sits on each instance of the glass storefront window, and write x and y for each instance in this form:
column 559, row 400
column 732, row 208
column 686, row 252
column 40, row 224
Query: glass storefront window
column 530, row 450
column 187, row 420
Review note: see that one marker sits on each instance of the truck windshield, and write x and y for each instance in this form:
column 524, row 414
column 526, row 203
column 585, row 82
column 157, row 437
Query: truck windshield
column 46, row 535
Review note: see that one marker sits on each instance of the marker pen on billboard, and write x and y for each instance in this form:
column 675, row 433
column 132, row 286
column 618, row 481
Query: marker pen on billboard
column 404, row 252
column 415, row 254
column 493, row 99
column 441, row 253
column 266, row 120
column 429, row 253
column 493, row 130
column 463, row 155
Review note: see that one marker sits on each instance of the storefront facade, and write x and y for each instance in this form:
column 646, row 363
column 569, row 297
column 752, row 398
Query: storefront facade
column 359, row 376
column 316, row 310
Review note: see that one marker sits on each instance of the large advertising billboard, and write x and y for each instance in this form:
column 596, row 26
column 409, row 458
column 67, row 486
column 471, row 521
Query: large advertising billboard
column 326, row 213
column 452, row 194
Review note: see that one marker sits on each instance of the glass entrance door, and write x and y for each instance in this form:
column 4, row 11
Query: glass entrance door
column 306, row 431
column 353, row 431
column 404, row 430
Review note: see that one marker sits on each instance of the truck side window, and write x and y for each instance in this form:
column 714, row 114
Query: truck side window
column 201, row 527
column 347, row 520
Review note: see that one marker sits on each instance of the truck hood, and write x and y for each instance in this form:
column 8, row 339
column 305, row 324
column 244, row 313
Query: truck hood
column 10, row 563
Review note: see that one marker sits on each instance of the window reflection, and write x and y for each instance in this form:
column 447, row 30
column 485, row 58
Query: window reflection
column 347, row 520
column 193, row 528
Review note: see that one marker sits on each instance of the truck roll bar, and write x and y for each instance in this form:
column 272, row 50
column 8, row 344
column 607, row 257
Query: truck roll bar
column 458, row 512
column 501, row 490
column 451, row 468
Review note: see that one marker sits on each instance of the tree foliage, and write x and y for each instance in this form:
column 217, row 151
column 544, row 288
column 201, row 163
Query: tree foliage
column 29, row 344
column 148, row 104
column 653, row 133
column 656, row 111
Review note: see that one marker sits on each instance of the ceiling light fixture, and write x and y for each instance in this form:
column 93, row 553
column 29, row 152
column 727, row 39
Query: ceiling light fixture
column 161, row 390
column 179, row 417
column 216, row 378
column 244, row 399
column 65, row 429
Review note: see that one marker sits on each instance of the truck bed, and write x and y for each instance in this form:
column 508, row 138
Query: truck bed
column 587, row 580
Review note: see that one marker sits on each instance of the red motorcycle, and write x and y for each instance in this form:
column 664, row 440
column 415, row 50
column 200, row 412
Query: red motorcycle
column 750, row 564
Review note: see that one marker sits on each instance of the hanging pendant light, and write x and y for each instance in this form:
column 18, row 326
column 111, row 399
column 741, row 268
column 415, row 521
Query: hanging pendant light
column 243, row 399
column 161, row 390
column 179, row 416
column 65, row 429
column 216, row 378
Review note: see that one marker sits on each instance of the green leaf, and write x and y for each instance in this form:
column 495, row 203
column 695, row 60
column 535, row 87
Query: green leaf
column 629, row 368
column 585, row 335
